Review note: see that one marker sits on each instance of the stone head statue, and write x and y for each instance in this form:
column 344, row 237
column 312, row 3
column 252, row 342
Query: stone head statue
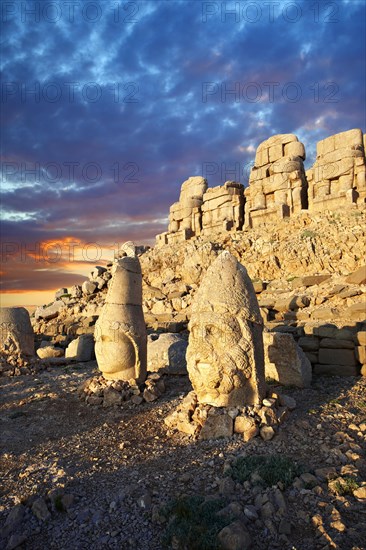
column 16, row 332
column 225, row 358
column 120, row 332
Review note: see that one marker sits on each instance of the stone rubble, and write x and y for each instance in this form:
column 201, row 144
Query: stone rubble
column 203, row 421
column 107, row 393
column 103, row 479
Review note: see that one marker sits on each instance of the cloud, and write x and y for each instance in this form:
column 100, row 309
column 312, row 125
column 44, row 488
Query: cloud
column 113, row 114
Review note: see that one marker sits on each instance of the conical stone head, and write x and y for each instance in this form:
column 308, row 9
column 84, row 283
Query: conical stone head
column 120, row 332
column 225, row 358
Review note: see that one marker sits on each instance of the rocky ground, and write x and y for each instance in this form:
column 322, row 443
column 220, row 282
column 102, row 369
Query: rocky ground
column 77, row 476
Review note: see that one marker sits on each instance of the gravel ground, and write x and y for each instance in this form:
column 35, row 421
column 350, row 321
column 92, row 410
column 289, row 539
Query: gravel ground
column 75, row 476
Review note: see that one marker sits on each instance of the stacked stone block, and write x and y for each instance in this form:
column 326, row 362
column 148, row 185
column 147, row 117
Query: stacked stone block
column 278, row 188
column 337, row 179
column 331, row 349
column 223, row 208
column 277, row 183
column 185, row 217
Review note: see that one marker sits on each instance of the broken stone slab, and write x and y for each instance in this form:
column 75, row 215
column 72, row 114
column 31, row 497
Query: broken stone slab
column 47, row 352
column 292, row 303
column 49, row 312
column 60, row 293
column 357, row 312
column 166, row 353
column 309, row 280
column 88, row 287
column 81, row 349
column 325, row 313
column 285, row 361
column 357, row 277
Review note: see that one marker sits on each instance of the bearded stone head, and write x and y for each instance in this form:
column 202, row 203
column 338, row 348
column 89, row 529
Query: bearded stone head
column 225, row 357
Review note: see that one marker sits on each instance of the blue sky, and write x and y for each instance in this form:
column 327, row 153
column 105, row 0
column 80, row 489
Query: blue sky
column 108, row 106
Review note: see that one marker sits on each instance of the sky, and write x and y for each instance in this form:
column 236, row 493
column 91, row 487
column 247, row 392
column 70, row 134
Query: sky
column 108, row 106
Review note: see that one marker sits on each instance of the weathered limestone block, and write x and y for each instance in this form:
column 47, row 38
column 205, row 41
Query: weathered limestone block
column 60, row 292
column 337, row 178
column 285, row 361
column 97, row 271
column 75, row 291
column 166, row 353
column 358, row 277
column 81, row 349
column 277, row 183
column 49, row 351
column 329, row 356
column 223, row 207
column 88, row 287
column 16, row 332
column 225, row 357
column 183, row 214
column 49, row 312
column 120, row 332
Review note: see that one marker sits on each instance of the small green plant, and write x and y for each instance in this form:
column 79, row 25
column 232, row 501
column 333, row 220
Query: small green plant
column 345, row 486
column 58, row 504
column 308, row 234
column 271, row 469
column 335, row 401
column 271, row 381
column 360, row 403
column 194, row 522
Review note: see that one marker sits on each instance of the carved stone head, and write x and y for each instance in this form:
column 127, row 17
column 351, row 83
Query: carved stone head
column 225, row 357
column 120, row 332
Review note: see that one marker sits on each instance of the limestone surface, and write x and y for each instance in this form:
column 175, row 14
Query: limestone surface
column 120, row 332
column 16, row 333
column 337, row 178
column 285, row 361
column 225, row 357
column 166, row 353
column 277, row 183
column 81, row 349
